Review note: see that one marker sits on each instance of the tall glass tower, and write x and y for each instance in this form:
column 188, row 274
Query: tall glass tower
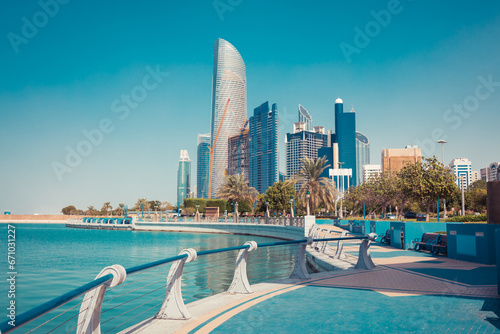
column 362, row 155
column 203, row 156
column 264, row 147
column 306, row 118
column 229, row 89
column 345, row 131
column 183, row 177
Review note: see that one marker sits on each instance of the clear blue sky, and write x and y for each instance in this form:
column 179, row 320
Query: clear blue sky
column 70, row 73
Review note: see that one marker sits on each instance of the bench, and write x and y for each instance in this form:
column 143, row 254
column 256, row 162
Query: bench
column 386, row 238
column 442, row 245
column 431, row 242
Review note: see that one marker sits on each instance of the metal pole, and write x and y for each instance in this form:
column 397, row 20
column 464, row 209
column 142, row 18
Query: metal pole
column 364, row 211
column 438, row 209
column 463, row 202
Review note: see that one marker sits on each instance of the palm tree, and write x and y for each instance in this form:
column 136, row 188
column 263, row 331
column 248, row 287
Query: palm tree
column 321, row 189
column 106, row 207
column 236, row 189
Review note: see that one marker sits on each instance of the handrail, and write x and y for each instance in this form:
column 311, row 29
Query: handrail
column 239, row 285
column 40, row 310
column 154, row 264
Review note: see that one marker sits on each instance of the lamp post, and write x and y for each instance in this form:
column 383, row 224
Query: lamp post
column 308, row 196
column 341, row 215
column 292, row 207
column 462, row 187
column 197, row 217
column 442, row 142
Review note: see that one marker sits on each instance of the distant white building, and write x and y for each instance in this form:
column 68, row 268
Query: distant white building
column 474, row 176
column 462, row 169
column 370, row 171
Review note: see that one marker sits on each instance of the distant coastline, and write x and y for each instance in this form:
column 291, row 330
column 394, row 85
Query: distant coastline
column 35, row 219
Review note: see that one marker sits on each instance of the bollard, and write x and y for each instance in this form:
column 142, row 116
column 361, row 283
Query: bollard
column 89, row 320
column 299, row 269
column 173, row 306
column 240, row 284
column 364, row 258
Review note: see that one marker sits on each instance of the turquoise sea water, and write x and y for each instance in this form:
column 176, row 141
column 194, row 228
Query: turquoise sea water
column 52, row 259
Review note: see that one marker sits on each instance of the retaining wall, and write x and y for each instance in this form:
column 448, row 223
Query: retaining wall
column 271, row 231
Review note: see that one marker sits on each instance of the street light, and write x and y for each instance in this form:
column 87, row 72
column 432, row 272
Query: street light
column 442, row 142
column 292, row 207
column 463, row 201
column 197, row 217
column 308, row 195
column 341, row 215
column 267, row 208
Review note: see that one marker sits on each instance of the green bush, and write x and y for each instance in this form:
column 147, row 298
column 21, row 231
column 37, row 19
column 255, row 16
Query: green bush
column 203, row 203
column 468, row 218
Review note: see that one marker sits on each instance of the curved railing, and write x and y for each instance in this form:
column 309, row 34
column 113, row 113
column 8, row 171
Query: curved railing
column 172, row 306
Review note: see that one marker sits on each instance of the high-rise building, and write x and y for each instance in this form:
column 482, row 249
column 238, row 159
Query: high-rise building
column 264, row 147
column 371, row 171
column 491, row 173
column 238, row 161
column 183, row 177
column 305, row 118
column 362, row 155
column 301, row 144
column 203, row 165
column 462, row 169
column 393, row 159
column 229, row 107
column 345, row 131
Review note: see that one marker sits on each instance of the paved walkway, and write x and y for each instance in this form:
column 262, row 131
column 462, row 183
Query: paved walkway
column 408, row 292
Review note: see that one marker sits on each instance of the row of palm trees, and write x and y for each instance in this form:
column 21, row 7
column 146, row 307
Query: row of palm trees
column 314, row 189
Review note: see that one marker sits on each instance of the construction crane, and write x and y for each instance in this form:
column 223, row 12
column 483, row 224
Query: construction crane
column 211, row 149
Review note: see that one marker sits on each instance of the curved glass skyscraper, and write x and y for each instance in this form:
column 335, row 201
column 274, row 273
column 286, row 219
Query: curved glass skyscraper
column 362, row 155
column 229, row 83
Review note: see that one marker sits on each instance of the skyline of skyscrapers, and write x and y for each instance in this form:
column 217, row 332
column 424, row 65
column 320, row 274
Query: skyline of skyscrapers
column 229, row 108
column 183, row 177
column 203, row 165
column 263, row 138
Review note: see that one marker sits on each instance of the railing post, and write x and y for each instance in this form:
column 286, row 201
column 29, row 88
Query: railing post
column 325, row 243
column 300, row 270
column 173, row 306
column 339, row 254
column 240, row 282
column 364, row 258
column 89, row 320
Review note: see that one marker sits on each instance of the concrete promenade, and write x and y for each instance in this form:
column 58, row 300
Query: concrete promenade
column 408, row 292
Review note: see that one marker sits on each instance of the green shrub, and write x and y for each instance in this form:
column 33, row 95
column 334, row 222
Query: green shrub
column 468, row 218
column 203, row 203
